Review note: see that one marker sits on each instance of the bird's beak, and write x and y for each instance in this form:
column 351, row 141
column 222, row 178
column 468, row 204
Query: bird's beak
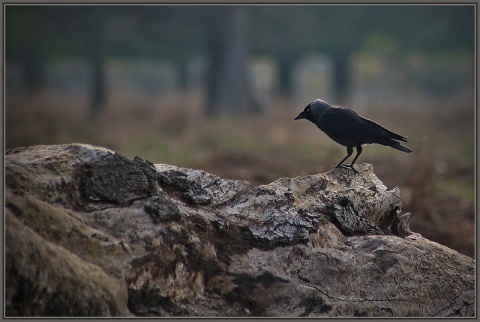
column 300, row 116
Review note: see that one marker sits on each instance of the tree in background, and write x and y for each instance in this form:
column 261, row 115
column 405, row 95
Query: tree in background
column 178, row 33
column 27, row 42
column 284, row 32
column 96, row 56
column 227, row 88
column 36, row 35
column 288, row 32
column 226, row 35
column 340, row 31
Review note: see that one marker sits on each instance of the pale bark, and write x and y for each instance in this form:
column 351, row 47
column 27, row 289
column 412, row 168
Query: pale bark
column 90, row 232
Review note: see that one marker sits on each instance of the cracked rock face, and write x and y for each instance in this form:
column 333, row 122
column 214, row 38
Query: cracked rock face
column 288, row 210
column 199, row 187
column 92, row 233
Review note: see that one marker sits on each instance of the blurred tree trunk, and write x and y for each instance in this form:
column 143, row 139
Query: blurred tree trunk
column 286, row 64
column 32, row 63
column 342, row 66
column 182, row 75
column 227, row 79
column 95, row 42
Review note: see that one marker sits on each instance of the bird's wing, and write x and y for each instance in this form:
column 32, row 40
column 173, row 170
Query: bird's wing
column 343, row 122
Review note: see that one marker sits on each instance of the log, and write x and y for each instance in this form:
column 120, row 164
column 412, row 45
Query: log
column 90, row 232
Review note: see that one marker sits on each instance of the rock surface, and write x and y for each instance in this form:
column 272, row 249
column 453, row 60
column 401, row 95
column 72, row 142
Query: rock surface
column 92, row 233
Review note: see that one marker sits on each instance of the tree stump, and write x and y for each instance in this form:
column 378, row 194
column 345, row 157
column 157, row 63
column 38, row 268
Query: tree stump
column 92, row 233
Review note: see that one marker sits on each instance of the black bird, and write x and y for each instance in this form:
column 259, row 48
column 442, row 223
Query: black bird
column 347, row 128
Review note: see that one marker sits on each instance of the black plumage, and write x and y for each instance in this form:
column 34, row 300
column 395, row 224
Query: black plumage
column 347, row 128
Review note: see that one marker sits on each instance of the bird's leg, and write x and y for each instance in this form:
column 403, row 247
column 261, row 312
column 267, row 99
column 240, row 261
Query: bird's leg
column 359, row 151
column 349, row 153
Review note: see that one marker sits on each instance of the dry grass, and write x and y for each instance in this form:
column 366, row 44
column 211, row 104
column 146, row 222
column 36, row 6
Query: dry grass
column 437, row 180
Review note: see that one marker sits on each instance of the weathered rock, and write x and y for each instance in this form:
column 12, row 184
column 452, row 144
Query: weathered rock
column 162, row 209
column 198, row 186
column 44, row 279
column 288, row 210
column 76, row 176
column 90, row 232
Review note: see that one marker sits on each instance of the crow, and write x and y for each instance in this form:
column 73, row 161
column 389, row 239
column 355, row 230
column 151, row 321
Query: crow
column 347, row 128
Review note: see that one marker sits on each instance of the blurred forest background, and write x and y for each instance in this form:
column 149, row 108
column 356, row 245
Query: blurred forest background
column 216, row 87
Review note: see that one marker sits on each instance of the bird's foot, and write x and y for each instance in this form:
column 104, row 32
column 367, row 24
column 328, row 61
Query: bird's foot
column 347, row 166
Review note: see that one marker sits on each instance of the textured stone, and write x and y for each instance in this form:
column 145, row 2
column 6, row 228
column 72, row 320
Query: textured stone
column 43, row 279
column 92, row 233
column 198, row 186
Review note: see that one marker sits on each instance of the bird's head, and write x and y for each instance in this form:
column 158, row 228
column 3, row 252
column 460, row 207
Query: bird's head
column 314, row 110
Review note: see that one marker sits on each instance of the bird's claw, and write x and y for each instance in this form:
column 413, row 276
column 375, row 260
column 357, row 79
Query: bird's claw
column 348, row 167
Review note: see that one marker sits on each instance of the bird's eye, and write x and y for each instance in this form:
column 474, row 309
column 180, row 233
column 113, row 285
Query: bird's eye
column 307, row 110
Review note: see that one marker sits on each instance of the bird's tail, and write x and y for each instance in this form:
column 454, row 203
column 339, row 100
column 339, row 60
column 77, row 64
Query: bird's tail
column 395, row 136
column 394, row 144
